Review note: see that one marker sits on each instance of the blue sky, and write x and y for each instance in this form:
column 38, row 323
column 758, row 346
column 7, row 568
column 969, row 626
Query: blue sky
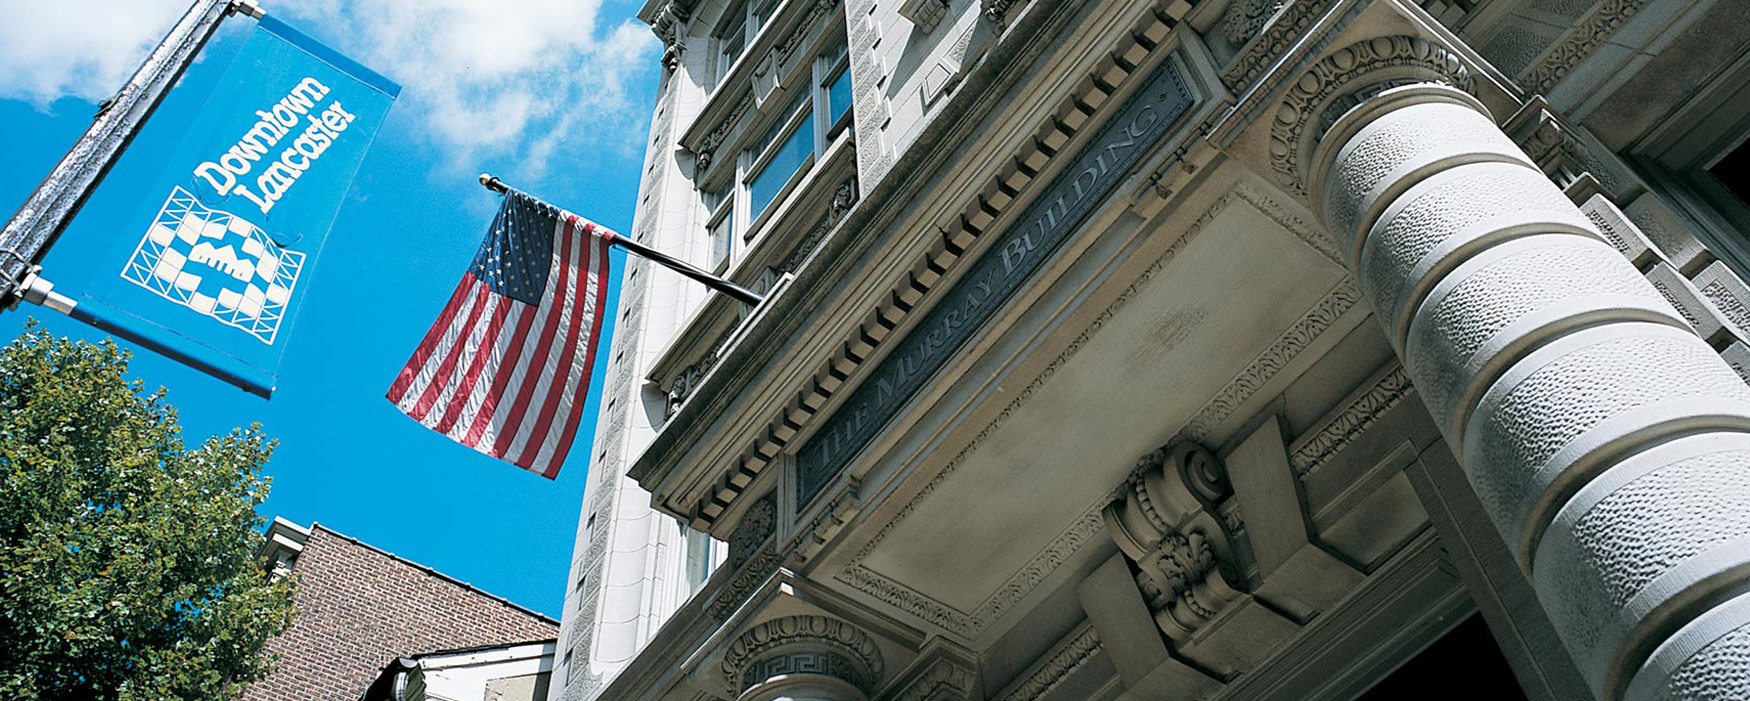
column 552, row 95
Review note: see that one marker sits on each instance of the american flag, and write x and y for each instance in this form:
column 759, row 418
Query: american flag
column 505, row 369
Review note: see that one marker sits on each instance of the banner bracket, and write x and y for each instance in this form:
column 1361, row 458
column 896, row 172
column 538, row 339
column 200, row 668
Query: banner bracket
column 45, row 214
column 248, row 8
column 41, row 292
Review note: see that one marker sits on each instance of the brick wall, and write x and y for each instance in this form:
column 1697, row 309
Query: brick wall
column 359, row 607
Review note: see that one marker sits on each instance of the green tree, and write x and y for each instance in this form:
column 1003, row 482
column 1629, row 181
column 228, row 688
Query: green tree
column 127, row 562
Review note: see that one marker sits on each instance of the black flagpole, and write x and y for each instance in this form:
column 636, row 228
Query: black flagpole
column 737, row 292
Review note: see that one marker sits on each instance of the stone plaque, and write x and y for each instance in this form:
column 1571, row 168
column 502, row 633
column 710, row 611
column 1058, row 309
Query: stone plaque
column 992, row 279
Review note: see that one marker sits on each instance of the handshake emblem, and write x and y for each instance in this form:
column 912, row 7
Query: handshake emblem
column 217, row 264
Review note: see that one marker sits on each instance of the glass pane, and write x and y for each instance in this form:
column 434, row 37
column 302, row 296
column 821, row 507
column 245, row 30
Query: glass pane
column 838, row 96
column 785, row 163
column 721, row 233
column 698, row 558
column 732, row 47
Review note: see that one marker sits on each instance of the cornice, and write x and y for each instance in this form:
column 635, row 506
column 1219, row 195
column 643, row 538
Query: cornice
column 703, row 504
column 1069, row 657
column 1319, row 319
column 1311, row 452
column 670, row 25
column 1578, row 43
column 1021, row 398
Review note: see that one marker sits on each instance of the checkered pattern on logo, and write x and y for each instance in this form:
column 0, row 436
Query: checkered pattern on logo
column 216, row 263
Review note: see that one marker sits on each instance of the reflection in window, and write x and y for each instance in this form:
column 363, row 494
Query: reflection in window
column 838, row 95
column 832, row 72
column 701, row 557
column 720, row 229
column 722, row 235
column 784, row 162
column 813, row 112
column 739, row 25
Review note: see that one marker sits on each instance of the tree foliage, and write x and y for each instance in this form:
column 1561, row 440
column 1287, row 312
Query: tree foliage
column 127, row 562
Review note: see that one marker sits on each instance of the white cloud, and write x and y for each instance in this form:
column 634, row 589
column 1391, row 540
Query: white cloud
column 50, row 50
column 495, row 79
column 485, row 79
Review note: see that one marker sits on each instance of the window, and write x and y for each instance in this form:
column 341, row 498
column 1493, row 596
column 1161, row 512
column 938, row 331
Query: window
column 775, row 166
column 739, row 25
column 720, row 229
column 1696, row 155
column 699, row 549
column 834, row 72
column 774, row 163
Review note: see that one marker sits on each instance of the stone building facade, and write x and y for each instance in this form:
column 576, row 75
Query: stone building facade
column 359, row 609
column 1186, row 349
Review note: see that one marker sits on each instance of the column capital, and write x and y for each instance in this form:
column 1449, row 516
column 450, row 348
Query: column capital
column 784, row 652
column 1343, row 79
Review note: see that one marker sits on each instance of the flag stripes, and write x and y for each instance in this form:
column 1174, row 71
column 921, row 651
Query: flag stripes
column 501, row 375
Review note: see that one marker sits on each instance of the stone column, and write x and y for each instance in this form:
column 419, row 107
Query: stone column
column 803, row 658
column 1609, row 444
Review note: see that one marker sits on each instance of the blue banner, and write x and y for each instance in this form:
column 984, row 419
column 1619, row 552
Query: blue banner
column 212, row 269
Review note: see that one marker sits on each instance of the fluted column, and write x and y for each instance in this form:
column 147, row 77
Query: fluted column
column 803, row 658
column 1608, row 443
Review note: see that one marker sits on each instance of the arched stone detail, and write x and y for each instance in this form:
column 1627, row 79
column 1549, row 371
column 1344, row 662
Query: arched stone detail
column 1609, row 444
column 811, row 646
column 1344, row 79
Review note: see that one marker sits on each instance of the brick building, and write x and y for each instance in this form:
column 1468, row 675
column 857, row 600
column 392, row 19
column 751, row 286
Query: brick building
column 360, row 608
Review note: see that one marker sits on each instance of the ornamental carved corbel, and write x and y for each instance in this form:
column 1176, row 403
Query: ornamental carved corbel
column 803, row 645
column 1247, row 17
column 1344, row 79
column 844, row 197
column 1177, row 522
column 997, row 10
column 704, row 152
column 670, row 26
column 1554, row 145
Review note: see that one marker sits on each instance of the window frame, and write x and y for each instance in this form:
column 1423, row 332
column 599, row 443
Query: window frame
column 755, row 164
column 721, row 213
column 807, row 101
column 747, row 17
column 827, row 69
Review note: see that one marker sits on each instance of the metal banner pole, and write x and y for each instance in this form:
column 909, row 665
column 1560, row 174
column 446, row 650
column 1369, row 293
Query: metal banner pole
column 736, row 292
column 42, row 217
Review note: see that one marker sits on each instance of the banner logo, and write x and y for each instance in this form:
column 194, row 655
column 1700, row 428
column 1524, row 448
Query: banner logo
column 216, row 263
column 227, row 200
